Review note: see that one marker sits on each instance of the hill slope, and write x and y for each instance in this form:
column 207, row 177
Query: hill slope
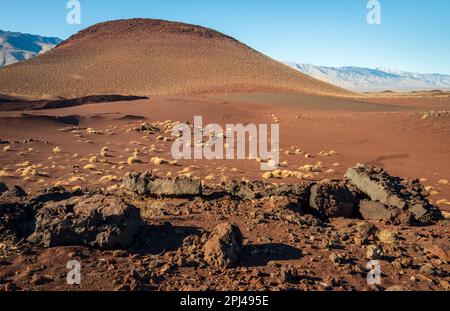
column 374, row 80
column 153, row 57
column 16, row 46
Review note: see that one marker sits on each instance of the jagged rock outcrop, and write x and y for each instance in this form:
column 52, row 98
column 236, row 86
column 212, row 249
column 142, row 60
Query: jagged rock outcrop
column 389, row 198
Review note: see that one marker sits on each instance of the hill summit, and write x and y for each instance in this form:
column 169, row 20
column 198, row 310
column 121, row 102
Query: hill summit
column 153, row 57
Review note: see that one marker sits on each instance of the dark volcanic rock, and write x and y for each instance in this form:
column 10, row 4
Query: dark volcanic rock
column 149, row 184
column 332, row 199
column 224, row 246
column 389, row 193
column 14, row 215
column 52, row 194
column 246, row 190
column 251, row 190
column 18, row 211
column 3, row 188
column 14, row 218
column 377, row 184
column 301, row 191
column 137, row 183
column 15, row 191
column 100, row 221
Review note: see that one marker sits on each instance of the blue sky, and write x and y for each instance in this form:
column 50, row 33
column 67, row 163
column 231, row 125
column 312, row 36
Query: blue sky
column 413, row 35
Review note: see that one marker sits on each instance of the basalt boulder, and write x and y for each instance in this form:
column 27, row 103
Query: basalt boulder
column 390, row 195
column 3, row 188
column 251, row 190
column 149, row 184
column 15, row 219
column 15, row 192
column 100, row 221
column 246, row 190
column 331, row 199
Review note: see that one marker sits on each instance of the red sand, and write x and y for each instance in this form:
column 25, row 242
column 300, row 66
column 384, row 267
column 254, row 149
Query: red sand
column 393, row 136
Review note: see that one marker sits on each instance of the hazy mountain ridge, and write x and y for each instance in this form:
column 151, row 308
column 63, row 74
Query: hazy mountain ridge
column 16, row 46
column 362, row 79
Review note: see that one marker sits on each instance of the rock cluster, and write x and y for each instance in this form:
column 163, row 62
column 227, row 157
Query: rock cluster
column 390, row 199
column 366, row 190
column 58, row 217
column 281, row 223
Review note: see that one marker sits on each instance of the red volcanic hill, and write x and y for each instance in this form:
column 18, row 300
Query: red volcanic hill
column 153, row 57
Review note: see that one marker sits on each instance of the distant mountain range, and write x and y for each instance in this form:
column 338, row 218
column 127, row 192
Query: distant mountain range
column 16, row 47
column 361, row 79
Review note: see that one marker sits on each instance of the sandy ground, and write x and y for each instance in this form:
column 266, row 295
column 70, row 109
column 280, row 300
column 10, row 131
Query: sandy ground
column 394, row 136
column 390, row 133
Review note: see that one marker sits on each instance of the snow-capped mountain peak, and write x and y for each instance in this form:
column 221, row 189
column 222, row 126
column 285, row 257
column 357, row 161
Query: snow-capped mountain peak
column 16, row 46
column 362, row 79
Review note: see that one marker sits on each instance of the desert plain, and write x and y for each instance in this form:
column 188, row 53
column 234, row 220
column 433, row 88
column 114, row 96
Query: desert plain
column 68, row 160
